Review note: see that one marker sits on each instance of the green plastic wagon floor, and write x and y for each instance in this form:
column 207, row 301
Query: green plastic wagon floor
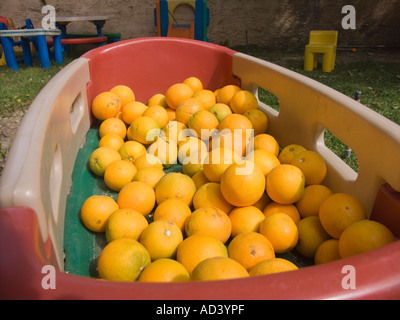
column 83, row 247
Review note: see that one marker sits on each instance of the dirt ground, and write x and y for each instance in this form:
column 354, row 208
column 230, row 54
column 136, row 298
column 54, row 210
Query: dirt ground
column 10, row 124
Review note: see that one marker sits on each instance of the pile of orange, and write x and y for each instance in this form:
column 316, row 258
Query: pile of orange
column 234, row 202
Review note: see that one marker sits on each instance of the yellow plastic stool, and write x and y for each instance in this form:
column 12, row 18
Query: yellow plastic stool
column 321, row 41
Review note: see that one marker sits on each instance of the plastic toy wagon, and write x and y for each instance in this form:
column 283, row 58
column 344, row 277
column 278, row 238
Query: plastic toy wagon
column 45, row 179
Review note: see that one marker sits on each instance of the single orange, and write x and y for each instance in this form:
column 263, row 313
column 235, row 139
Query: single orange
column 245, row 219
column 265, row 160
column 149, row 175
column 164, row 270
column 175, row 185
column 111, row 140
column 266, row 142
column 176, row 131
column 217, row 161
column 186, row 109
column 207, row 98
column 274, row 265
column 311, row 236
column 243, row 101
column 119, row 173
column 96, row 210
column 132, row 111
column 220, row 111
column 327, row 251
column 237, row 123
column 242, row 184
column 157, row 99
column 131, row 150
column 124, row 93
column 106, row 105
column 177, row 93
column 218, row 268
column 113, row 125
column 249, row 248
column 204, row 123
column 194, row 82
column 339, row 211
column 209, row 221
column 101, row 158
column 285, row 184
column 158, row 113
column 289, row 152
column 312, row 165
column 138, row 196
column 363, row 236
column 161, row 238
column 281, row 231
column 259, row 120
column 197, row 248
column 199, row 178
column 144, row 130
column 210, row 195
column 310, row 202
column 173, row 210
column 148, row 160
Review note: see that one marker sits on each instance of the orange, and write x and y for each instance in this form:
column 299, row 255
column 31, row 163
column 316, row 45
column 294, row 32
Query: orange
column 264, row 200
column 176, row 131
column 173, row 210
column 131, row 150
column 209, row 221
column 144, row 130
column 125, row 223
column 289, row 209
column 339, row 211
column 226, row 93
column 227, row 139
column 175, row 185
column 266, row 142
column 149, row 175
column 171, row 114
column 311, row 236
column 285, row 184
column 218, row 268
column 289, row 152
column 242, row 184
column 111, row 140
column 217, row 161
column 327, row 251
column 281, row 231
column 119, row 173
column 274, row 265
column 161, row 238
column 132, row 111
column 106, row 105
column 194, row 82
column 245, row 219
column 138, row 196
column 209, row 195
column 193, row 163
column 177, row 93
column 157, row 99
column 148, row 160
column 123, row 260
column 249, row 248
column 312, row 165
column 158, row 113
column 197, row 248
column 204, row 123
column 363, row 236
column 96, row 210
column 265, row 160
column 199, row 178
column 112, row 125
column 243, row 101
column 164, row 149
column 164, row 270
column 186, row 109
column 101, row 158
column 258, row 119
column 124, row 93
column 312, row 199
column 237, row 122
column 207, row 98
column 189, row 147
column 220, row 111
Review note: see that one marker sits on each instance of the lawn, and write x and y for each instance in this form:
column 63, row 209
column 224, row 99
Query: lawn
column 379, row 82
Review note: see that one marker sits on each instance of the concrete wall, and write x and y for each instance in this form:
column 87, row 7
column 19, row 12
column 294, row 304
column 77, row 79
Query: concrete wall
column 272, row 23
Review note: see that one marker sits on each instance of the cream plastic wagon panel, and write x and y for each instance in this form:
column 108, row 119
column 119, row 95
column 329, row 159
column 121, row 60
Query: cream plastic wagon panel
column 308, row 107
column 40, row 163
